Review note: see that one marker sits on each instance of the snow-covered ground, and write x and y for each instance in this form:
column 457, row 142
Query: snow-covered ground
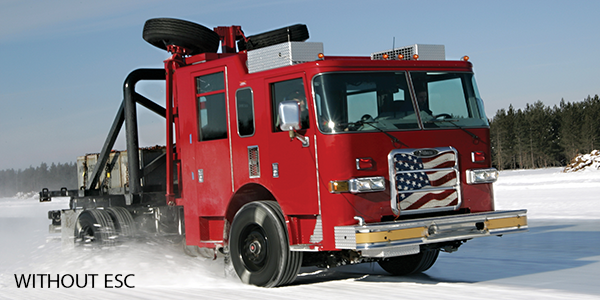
column 559, row 258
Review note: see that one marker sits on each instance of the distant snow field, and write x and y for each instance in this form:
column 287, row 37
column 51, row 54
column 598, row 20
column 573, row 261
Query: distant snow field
column 550, row 193
column 557, row 259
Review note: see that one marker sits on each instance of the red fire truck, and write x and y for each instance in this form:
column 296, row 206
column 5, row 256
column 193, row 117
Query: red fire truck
column 280, row 156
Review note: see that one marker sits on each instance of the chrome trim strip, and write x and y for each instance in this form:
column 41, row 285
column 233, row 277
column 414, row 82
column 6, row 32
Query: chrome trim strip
column 304, row 248
column 391, row 251
column 317, row 172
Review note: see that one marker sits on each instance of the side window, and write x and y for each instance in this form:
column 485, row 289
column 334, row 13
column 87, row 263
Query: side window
column 212, row 113
column 289, row 90
column 244, row 106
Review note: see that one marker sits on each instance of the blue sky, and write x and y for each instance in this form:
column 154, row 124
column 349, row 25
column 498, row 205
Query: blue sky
column 63, row 62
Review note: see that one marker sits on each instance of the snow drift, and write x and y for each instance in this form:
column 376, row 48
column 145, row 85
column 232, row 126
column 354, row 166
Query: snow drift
column 582, row 162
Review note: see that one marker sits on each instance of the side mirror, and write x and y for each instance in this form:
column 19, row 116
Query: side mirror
column 289, row 115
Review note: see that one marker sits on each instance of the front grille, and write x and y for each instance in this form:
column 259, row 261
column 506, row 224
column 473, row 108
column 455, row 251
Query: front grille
column 424, row 180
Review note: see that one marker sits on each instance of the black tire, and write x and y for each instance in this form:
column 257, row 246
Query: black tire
column 123, row 221
column 294, row 33
column 196, row 38
column 295, row 258
column 259, row 247
column 410, row 264
column 95, row 228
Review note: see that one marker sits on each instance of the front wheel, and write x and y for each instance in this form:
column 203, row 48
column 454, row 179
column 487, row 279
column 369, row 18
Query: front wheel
column 410, row 264
column 259, row 247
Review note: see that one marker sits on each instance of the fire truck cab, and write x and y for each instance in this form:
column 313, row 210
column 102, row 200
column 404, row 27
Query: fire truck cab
column 281, row 156
column 284, row 151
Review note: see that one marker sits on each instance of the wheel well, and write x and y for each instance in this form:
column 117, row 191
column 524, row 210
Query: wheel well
column 246, row 194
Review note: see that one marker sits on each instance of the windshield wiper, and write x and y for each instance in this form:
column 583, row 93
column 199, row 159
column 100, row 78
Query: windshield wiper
column 451, row 121
column 370, row 122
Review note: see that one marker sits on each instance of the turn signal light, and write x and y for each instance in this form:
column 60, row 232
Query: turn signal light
column 339, row 186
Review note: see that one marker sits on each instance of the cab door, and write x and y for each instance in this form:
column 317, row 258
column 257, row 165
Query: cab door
column 293, row 165
column 212, row 170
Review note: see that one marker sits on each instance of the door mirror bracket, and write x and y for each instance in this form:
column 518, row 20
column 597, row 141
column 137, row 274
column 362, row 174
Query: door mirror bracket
column 288, row 113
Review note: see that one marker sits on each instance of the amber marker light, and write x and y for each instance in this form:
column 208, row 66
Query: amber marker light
column 385, row 56
column 415, row 56
column 400, row 56
column 321, row 56
column 465, row 58
column 338, row 186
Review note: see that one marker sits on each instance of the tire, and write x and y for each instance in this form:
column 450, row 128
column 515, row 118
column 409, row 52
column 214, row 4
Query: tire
column 410, row 264
column 259, row 247
column 123, row 221
column 294, row 33
column 295, row 258
column 95, row 228
column 196, row 38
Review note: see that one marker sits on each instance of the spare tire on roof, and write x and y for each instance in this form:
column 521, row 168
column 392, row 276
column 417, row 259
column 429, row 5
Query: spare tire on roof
column 294, row 33
column 196, row 38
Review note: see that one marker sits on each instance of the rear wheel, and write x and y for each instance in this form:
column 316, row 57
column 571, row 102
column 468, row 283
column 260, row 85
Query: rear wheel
column 123, row 221
column 259, row 247
column 410, row 264
column 196, row 38
column 95, row 228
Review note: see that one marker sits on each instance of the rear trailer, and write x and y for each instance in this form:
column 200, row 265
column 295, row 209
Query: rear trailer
column 279, row 156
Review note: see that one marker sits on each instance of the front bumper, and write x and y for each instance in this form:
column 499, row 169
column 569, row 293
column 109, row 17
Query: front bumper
column 398, row 238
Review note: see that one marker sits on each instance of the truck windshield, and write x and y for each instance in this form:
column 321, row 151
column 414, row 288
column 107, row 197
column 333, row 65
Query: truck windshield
column 373, row 101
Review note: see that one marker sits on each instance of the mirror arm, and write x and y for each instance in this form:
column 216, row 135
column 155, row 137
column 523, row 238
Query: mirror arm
column 303, row 139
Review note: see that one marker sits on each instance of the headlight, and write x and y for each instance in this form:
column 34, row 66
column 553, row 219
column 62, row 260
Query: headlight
column 358, row 185
column 482, row 176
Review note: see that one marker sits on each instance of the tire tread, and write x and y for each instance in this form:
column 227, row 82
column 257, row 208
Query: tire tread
column 161, row 32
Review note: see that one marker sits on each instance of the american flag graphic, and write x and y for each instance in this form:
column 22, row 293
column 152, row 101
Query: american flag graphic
column 423, row 183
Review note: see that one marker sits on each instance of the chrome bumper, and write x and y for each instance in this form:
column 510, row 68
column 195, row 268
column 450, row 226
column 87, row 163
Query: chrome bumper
column 398, row 238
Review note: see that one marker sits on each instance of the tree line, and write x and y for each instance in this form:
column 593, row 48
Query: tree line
column 540, row 136
column 31, row 179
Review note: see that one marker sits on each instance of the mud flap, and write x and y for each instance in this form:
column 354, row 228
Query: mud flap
column 68, row 223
